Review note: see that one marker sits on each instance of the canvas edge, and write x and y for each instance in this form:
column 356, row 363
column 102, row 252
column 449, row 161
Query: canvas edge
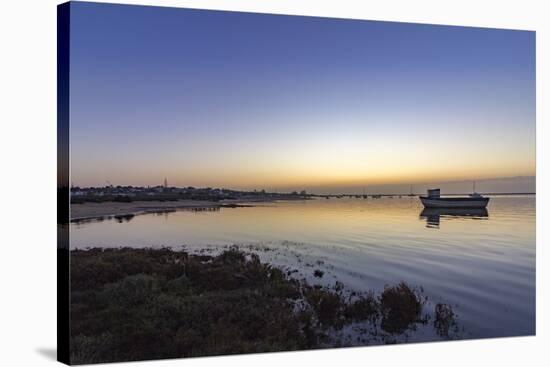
column 63, row 255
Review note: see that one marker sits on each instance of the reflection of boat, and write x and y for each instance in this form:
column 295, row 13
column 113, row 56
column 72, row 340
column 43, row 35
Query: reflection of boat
column 433, row 215
column 455, row 212
column 434, row 200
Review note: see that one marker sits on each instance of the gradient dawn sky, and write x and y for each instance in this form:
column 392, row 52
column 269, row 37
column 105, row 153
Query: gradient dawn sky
column 240, row 100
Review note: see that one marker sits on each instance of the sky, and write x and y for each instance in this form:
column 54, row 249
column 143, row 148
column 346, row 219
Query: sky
column 257, row 101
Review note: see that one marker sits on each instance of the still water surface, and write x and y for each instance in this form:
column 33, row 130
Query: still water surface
column 482, row 263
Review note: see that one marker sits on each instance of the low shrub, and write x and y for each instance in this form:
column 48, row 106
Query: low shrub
column 135, row 304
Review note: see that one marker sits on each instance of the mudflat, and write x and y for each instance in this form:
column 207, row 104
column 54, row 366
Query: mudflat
column 105, row 209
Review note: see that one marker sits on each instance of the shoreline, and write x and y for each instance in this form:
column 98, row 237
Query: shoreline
column 91, row 211
column 105, row 210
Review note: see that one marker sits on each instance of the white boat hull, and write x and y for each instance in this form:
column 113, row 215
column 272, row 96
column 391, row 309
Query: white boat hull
column 454, row 202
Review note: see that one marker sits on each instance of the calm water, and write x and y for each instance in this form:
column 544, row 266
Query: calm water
column 483, row 263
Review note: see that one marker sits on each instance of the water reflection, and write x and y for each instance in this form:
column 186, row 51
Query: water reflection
column 433, row 215
column 124, row 217
column 204, row 209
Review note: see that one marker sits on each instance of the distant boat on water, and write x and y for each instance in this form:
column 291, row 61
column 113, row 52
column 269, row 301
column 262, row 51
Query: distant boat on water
column 434, row 200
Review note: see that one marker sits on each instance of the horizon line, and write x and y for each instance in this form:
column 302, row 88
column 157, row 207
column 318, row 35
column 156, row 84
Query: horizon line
column 425, row 183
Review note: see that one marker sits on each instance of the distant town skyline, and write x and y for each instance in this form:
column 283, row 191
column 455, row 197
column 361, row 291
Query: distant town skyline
column 521, row 184
column 255, row 101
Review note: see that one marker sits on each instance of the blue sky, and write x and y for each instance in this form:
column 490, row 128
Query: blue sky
column 245, row 100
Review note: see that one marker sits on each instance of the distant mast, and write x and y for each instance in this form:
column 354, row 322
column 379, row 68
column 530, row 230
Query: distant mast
column 165, row 183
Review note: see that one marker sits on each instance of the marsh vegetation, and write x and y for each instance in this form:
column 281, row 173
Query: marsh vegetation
column 135, row 304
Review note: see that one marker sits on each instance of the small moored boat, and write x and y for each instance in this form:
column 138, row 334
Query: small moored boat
column 434, row 200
